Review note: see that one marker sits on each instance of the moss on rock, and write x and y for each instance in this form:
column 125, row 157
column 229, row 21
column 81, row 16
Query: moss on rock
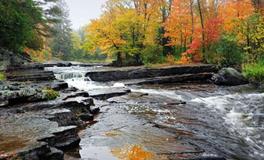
column 50, row 94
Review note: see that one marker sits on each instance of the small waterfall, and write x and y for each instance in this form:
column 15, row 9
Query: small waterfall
column 69, row 75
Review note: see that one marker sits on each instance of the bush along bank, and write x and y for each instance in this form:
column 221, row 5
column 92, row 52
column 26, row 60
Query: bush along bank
column 254, row 72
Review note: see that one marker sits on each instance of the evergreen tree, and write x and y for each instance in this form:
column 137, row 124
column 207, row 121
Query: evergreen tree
column 24, row 24
column 61, row 44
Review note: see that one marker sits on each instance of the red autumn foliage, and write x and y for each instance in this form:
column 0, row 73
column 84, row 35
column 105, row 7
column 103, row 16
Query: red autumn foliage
column 212, row 30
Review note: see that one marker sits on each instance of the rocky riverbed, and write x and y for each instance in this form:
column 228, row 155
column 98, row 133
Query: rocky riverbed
column 32, row 125
column 145, row 114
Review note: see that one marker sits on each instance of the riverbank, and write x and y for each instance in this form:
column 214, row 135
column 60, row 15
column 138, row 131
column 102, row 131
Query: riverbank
column 40, row 116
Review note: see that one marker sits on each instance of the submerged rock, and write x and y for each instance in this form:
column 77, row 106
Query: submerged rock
column 229, row 77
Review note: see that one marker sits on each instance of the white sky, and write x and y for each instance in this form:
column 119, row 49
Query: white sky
column 83, row 11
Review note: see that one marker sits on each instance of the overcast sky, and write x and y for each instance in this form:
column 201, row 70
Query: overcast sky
column 82, row 11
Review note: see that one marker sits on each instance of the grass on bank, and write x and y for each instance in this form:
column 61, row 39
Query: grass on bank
column 254, row 72
column 2, row 76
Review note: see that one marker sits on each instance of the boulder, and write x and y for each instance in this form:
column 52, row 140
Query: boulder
column 229, row 77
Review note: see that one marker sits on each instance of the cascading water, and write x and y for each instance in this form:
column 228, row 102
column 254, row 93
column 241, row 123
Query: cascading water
column 76, row 77
column 242, row 112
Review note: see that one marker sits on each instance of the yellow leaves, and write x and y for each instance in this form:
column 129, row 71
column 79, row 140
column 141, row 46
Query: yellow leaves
column 123, row 28
column 39, row 55
column 170, row 59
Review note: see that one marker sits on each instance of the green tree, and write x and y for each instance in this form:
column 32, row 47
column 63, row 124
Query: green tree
column 19, row 22
column 61, row 44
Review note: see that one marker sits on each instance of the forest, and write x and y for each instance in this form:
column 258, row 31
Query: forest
column 136, row 32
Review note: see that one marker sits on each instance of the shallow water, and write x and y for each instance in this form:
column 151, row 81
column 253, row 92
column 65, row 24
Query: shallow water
column 152, row 121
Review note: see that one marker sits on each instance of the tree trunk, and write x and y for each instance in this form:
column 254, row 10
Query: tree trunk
column 191, row 11
column 165, row 40
column 202, row 24
column 119, row 61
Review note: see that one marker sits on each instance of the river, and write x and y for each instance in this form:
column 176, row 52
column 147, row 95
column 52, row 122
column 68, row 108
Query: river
column 172, row 121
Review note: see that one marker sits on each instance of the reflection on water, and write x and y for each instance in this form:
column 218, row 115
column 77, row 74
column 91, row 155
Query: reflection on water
column 11, row 143
column 132, row 153
column 113, row 133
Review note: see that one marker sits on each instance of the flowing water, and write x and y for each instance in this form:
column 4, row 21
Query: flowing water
column 153, row 122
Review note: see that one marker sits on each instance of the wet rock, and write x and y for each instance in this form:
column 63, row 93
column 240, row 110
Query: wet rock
column 28, row 72
column 64, row 64
column 95, row 110
column 54, row 154
column 63, row 117
column 88, row 101
column 34, row 152
column 23, row 95
column 86, row 117
column 63, row 138
column 77, row 107
column 208, row 158
column 70, row 90
column 104, row 94
column 77, row 94
column 199, row 77
column 59, row 85
column 3, row 103
column 229, row 77
column 114, row 74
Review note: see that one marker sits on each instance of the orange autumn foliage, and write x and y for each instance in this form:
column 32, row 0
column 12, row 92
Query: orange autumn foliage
column 185, row 59
column 233, row 10
column 184, row 26
column 178, row 25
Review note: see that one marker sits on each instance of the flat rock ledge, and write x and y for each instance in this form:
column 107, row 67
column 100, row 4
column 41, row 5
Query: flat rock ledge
column 105, row 74
column 35, row 128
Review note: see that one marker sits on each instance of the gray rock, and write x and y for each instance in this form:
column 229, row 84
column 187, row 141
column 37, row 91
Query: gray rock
column 126, row 73
column 208, row 158
column 58, row 85
column 95, row 110
column 104, row 94
column 229, row 77
column 28, row 72
column 86, row 117
column 8, row 57
column 54, row 154
column 197, row 77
